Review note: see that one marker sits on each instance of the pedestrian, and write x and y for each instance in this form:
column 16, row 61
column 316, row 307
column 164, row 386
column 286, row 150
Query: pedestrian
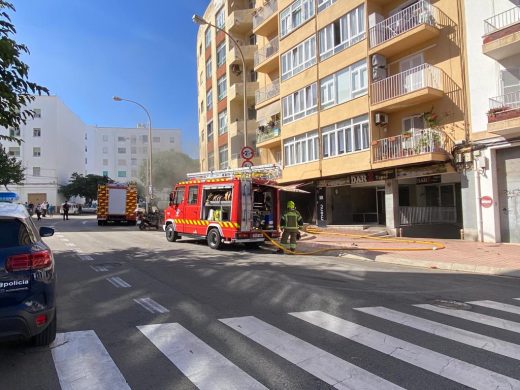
column 39, row 211
column 65, row 211
column 50, row 209
column 44, row 209
column 290, row 223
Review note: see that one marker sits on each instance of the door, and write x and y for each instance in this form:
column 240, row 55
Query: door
column 36, row 198
column 381, row 207
column 192, row 210
column 508, row 178
column 179, row 206
column 412, row 76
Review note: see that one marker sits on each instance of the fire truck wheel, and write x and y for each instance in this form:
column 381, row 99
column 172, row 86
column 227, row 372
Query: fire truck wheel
column 214, row 239
column 171, row 235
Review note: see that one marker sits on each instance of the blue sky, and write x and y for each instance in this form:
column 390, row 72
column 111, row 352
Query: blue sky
column 86, row 51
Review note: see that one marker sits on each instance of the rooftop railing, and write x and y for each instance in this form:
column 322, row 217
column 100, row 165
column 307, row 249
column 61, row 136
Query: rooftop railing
column 502, row 20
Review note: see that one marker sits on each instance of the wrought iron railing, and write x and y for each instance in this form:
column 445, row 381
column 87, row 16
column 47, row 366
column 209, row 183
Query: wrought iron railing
column 427, row 215
column 502, row 20
column 509, row 101
column 268, row 92
column 267, row 51
column 264, row 13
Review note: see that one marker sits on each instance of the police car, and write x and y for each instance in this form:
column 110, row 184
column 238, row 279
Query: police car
column 27, row 276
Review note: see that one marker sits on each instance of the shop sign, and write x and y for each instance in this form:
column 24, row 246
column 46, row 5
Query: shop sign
column 321, row 201
column 403, row 173
column 436, row 179
column 344, row 181
column 359, row 179
column 381, row 175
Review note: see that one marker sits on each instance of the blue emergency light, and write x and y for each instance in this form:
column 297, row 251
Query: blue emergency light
column 9, row 197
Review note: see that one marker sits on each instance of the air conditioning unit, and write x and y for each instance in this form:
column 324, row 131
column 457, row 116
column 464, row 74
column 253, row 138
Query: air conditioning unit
column 381, row 119
column 378, row 74
column 378, row 61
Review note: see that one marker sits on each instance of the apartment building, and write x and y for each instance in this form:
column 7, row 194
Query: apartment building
column 52, row 150
column 119, row 152
column 361, row 101
column 220, row 84
column 492, row 161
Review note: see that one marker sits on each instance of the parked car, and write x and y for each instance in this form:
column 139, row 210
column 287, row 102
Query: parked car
column 27, row 278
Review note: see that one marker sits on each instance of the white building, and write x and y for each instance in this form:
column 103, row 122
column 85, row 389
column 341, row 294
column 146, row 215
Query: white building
column 491, row 194
column 53, row 149
column 119, row 152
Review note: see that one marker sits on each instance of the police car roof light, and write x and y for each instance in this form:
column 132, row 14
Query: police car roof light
column 9, row 197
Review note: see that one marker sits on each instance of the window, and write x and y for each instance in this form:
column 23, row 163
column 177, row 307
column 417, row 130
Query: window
column 295, row 15
column 221, row 54
column 156, row 140
column 222, row 87
column 179, row 195
column 220, row 18
column 121, row 150
column 105, row 150
column 209, row 100
column 323, row 4
column 36, row 171
column 105, row 138
column 14, row 132
column 223, row 157
column 172, row 140
column 210, row 131
column 207, row 37
column 412, row 123
column 344, row 85
column 133, row 150
column 37, row 112
column 105, row 161
column 14, row 151
column 105, row 173
column 37, row 152
column 121, row 173
column 222, row 122
column 121, row 163
column 510, row 80
column 346, row 137
column 211, row 161
column 299, row 58
column 343, row 33
column 301, row 149
column 133, row 162
column 208, row 69
column 193, row 194
column 37, row 132
column 120, row 139
column 300, row 104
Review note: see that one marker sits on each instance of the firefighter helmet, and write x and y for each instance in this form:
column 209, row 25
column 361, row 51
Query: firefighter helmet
column 291, row 205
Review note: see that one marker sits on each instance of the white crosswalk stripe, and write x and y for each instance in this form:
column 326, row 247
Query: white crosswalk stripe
column 500, row 323
column 201, row 364
column 150, row 305
column 449, row 332
column 323, row 365
column 445, row 366
column 116, row 281
column 497, row 306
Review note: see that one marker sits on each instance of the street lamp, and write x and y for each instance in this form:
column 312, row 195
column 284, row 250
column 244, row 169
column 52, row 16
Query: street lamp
column 201, row 21
column 149, row 196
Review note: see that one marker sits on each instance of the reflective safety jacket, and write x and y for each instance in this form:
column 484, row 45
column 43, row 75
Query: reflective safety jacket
column 291, row 220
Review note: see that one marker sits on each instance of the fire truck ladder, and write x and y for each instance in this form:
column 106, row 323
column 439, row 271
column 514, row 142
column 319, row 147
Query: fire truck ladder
column 267, row 171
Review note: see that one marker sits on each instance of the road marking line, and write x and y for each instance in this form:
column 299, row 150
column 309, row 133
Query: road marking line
column 85, row 257
column 70, row 244
column 84, row 222
column 448, row 367
column 82, row 362
column 476, row 340
column 200, row 363
column 321, row 364
column 150, row 305
column 475, row 317
column 118, row 282
column 99, row 268
column 497, row 306
column 65, row 240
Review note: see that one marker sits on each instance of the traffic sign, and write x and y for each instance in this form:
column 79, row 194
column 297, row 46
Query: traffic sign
column 486, row 201
column 247, row 153
column 247, row 164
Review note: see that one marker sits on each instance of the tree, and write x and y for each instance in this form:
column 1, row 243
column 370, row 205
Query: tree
column 169, row 167
column 84, row 186
column 11, row 170
column 16, row 91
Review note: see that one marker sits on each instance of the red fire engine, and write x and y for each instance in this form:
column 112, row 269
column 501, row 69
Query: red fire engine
column 228, row 206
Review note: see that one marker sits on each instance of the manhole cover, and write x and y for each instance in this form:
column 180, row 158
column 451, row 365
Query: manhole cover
column 450, row 304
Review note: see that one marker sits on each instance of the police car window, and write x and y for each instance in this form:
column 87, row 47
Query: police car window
column 14, row 233
column 193, row 195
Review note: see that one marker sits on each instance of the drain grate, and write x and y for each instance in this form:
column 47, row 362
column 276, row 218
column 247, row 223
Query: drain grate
column 451, row 304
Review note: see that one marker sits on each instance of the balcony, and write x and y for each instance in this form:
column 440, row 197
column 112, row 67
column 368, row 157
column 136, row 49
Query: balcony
column 240, row 21
column 418, row 146
column 421, row 84
column 406, row 29
column 236, row 91
column 502, row 35
column 265, row 59
column 264, row 20
column 233, row 55
column 267, row 135
column 504, row 114
column 267, row 93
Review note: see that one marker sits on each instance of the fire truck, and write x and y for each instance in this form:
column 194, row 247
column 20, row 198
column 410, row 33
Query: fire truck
column 226, row 207
column 116, row 202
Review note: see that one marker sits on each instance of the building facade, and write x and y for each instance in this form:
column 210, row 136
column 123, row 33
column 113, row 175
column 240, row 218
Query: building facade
column 53, row 149
column 362, row 102
column 491, row 162
column 220, row 84
column 119, row 153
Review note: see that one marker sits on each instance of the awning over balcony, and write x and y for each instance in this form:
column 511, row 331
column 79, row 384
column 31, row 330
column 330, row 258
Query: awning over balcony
column 264, row 114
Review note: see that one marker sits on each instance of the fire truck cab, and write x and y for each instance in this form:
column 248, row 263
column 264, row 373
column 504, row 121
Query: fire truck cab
column 225, row 207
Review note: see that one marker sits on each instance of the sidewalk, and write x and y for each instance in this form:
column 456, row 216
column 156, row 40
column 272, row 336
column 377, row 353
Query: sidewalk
column 464, row 256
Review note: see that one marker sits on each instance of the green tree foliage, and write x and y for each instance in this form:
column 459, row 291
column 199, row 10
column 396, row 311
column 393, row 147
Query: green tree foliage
column 168, row 168
column 84, row 186
column 16, row 91
column 11, row 170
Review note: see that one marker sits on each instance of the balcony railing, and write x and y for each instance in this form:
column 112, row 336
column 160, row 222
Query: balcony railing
column 427, row 215
column 269, row 132
column 268, row 92
column 267, row 51
column 510, row 101
column 409, row 18
column 502, row 20
column 264, row 13
column 411, row 144
column 422, row 76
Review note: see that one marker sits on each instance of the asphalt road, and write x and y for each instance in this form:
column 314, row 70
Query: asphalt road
column 135, row 311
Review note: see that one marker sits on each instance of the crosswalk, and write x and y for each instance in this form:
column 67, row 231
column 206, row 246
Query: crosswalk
column 83, row 362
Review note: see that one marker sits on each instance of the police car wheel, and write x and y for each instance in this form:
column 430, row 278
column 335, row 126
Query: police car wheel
column 214, row 239
column 171, row 234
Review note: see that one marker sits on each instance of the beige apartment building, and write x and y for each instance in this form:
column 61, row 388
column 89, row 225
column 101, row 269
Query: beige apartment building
column 361, row 102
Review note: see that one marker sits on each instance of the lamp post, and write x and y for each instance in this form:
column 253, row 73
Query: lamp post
column 149, row 195
column 201, row 21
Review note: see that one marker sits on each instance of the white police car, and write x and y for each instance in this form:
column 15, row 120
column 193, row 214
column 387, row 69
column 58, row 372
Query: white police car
column 27, row 276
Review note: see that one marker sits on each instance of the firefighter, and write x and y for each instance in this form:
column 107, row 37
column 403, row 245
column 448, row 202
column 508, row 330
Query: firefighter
column 291, row 222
